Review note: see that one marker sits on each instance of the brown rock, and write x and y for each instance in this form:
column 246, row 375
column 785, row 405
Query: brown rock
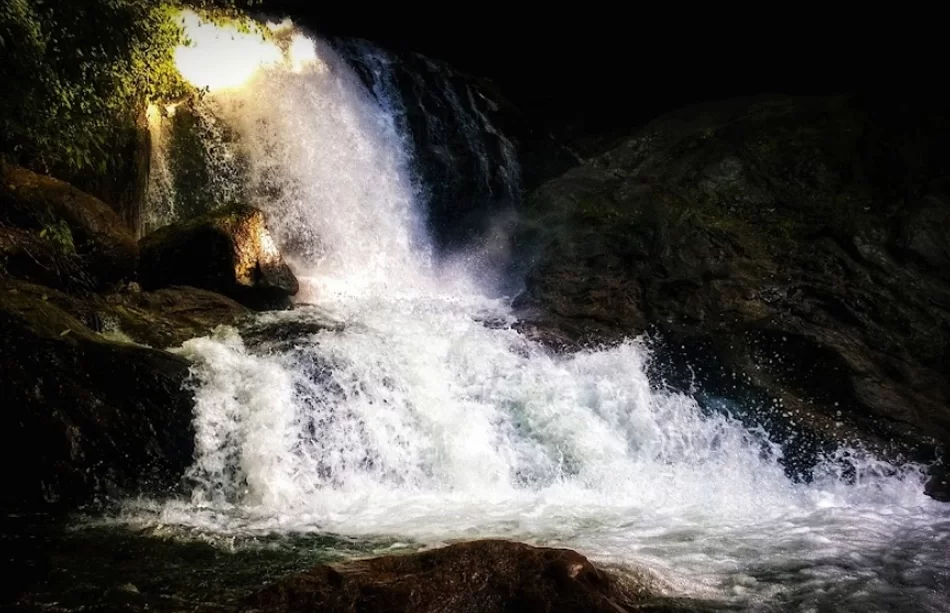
column 170, row 316
column 475, row 577
column 229, row 251
column 71, row 220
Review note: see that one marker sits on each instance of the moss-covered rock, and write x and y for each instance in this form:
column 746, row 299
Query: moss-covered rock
column 229, row 251
column 74, row 223
column 170, row 316
column 160, row 319
column 84, row 417
column 791, row 251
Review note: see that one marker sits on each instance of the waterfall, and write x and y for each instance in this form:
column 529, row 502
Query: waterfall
column 412, row 408
column 467, row 166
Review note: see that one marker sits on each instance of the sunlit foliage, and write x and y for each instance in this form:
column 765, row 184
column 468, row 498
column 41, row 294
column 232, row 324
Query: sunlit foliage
column 76, row 75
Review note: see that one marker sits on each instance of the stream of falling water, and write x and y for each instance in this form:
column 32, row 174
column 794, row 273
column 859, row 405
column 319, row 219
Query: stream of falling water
column 411, row 409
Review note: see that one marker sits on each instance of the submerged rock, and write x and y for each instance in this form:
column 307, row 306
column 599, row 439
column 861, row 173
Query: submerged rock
column 273, row 333
column 229, row 251
column 790, row 252
column 82, row 416
column 83, row 231
column 476, row 577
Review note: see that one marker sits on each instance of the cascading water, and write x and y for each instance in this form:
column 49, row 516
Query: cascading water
column 417, row 412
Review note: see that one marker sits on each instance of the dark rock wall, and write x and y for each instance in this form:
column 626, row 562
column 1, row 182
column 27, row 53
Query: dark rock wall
column 791, row 250
column 85, row 418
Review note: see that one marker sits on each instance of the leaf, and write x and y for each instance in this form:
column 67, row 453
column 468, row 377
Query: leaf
column 65, row 332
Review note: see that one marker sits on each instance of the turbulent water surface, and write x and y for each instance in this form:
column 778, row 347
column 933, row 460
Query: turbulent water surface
column 409, row 411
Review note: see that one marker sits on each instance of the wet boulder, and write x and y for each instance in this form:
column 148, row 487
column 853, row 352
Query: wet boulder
column 169, row 316
column 926, row 231
column 84, row 417
column 229, row 251
column 475, row 577
column 81, row 231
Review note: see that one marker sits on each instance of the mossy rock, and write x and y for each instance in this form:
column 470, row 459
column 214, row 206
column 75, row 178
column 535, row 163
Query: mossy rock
column 85, row 418
column 162, row 319
column 26, row 255
column 229, row 251
column 70, row 221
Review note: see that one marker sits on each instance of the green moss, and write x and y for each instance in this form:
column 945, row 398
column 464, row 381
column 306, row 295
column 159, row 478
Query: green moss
column 41, row 316
column 60, row 236
column 77, row 76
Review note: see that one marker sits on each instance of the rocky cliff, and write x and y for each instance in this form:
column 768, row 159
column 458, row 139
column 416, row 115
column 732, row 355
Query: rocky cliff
column 788, row 254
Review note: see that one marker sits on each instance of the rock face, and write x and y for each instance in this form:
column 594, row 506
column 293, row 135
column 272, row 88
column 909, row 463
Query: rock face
column 474, row 577
column 160, row 319
column 74, row 223
column 228, row 251
column 88, row 413
column 794, row 251
column 84, row 417
column 467, row 139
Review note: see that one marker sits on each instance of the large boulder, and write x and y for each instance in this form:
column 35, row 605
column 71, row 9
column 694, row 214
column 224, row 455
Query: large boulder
column 84, row 417
column 791, row 252
column 229, row 251
column 475, row 577
column 73, row 222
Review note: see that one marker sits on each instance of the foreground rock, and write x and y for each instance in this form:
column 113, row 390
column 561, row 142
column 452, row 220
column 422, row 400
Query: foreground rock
column 56, row 234
column 228, row 251
column 793, row 251
column 84, row 417
column 475, row 577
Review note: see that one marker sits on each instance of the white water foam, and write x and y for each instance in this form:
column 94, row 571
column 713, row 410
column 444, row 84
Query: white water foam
column 428, row 417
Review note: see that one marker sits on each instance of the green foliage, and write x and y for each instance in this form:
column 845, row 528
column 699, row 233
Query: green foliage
column 76, row 75
column 60, row 236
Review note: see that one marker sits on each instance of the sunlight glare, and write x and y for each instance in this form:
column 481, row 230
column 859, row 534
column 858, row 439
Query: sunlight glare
column 302, row 53
column 222, row 57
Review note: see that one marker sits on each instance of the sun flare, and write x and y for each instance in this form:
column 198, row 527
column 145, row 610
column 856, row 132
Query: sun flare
column 222, row 57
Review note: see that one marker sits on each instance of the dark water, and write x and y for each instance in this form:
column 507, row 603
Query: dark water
column 73, row 564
